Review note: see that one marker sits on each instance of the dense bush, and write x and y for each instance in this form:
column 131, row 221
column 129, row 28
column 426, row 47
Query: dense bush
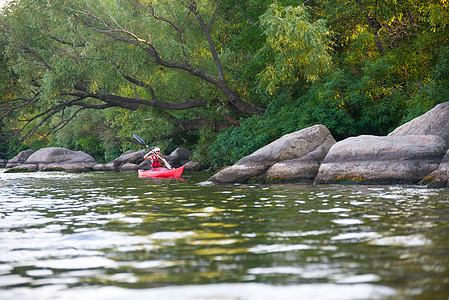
column 370, row 101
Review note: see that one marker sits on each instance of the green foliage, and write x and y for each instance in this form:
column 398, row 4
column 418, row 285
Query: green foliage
column 274, row 53
column 438, row 14
column 434, row 90
column 238, row 142
column 89, row 132
column 299, row 47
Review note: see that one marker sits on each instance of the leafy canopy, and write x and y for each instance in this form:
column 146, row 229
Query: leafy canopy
column 295, row 47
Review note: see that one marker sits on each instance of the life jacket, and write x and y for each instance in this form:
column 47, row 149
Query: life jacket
column 155, row 162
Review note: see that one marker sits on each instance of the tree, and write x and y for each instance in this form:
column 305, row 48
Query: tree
column 295, row 47
column 76, row 55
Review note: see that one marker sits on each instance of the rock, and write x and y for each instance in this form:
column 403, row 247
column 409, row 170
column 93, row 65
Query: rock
column 239, row 173
column 19, row 158
column 433, row 122
column 145, row 165
column 441, row 179
column 382, row 160
column 3, row 162
column 55, row 158
column 303, row 169
column 110, row 166
column 294, row 156
column 192, row 166
column 127, row 167
column 178, row 157
column 68, row 167
column 103, row 167
column 23, row 168
column 132, row 157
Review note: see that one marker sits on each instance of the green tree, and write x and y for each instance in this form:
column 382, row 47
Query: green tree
column 77, row 55
column 164, row 69
column 390, row 64
column 295, row 48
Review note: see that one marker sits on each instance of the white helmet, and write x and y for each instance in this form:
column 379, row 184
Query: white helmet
column 156, row 149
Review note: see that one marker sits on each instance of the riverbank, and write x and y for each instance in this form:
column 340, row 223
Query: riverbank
column 414, row 153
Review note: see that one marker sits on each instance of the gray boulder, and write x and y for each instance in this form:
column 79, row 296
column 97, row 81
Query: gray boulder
column 433, row 122
column 192, row 166
column 60, row 159
column 19, row 158
column 23, row 168
column 178, row 157
column 295, row 156
column 68, row 167
column 441, row 179
column 145, row 165
column 129, row 157
column 382, row 160
column 127, row 167
column 103, row 167
column 303, row 169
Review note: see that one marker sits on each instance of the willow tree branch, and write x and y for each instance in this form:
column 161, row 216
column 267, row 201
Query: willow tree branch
column 27, row 48
column 133, row 103
column 123, row 35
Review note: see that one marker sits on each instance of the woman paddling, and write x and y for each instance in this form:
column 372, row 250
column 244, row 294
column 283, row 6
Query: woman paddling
column 156, row 158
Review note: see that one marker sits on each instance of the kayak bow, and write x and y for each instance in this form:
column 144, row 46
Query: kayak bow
column 161, row 173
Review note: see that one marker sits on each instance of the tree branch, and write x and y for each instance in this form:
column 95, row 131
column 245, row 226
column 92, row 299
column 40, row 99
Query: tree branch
column 134, row 103
column 27, row 48
column 120, row 34
column 206, row 30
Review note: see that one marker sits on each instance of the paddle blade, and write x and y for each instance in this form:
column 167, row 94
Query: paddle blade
column 140, row 140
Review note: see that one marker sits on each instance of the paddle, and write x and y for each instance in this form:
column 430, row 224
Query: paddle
column 140, row 140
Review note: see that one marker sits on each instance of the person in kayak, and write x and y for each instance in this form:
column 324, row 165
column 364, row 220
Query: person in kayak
column 156, row 158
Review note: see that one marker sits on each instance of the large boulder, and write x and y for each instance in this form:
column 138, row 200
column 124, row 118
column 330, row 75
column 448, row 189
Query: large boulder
column 23, row 168
column 19, row 158
column 433, row 122
column 441, row 179
column 129, row 157
column 104, row 167
column 192, row 166
column 303, row 169
column 294, row 156
column 145, row 165
column 55, row 158
column 382, row 160
column 178, row 157
column 127, row 167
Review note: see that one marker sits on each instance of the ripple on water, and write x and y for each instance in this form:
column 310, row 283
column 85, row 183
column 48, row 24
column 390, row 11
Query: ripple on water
column 248, row 291
column 278, row 248
column 347, row 221
column 356, row 236
column 171, row 235
column 77, row 263
column 405, row 241
column 110, row 236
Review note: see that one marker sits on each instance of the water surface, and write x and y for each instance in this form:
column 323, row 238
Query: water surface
column 107, row 235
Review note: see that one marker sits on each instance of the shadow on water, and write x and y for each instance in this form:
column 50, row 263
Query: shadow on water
column 108, row 235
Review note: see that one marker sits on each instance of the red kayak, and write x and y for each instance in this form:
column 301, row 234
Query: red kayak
column 162, row 173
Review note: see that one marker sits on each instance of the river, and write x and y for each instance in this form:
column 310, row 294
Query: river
column 106, row 235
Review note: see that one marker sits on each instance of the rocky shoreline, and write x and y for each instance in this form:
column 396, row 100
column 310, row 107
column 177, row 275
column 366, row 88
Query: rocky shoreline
column 416, row 152
column 61, row 159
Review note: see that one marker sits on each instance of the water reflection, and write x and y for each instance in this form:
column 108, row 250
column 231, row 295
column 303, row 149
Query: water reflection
column 112, row 235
